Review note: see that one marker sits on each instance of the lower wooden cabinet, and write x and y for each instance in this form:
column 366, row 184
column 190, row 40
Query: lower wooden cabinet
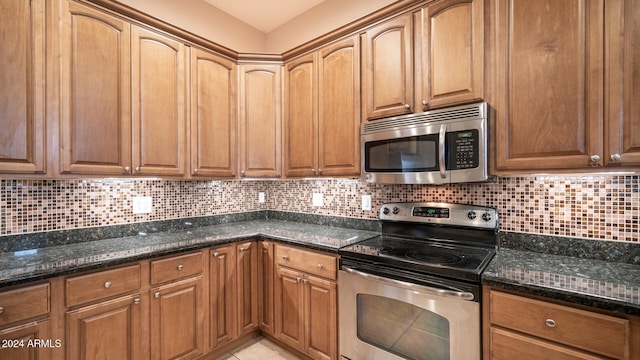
column 222, row 290
column 265, row 286
column 305, row 305
column 15, row 341
column 519, row 327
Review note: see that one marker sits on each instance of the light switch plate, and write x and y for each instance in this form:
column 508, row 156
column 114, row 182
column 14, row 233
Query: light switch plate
column 142, row 204
column 318, row 200
column 366, row 202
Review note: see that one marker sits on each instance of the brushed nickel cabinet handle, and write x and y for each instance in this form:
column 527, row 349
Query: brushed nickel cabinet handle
column 215, row 254
column 156, row 295
column 180, row 267
column 243, row 173
column 425, row 103
column 285, row 257
column 304, row 281
column 595, row 159
column 407, row 107
column 107, row 284
column 550, row 323
column 136, row 301
column 616, row 157
column 320, row 266
column 137, row 169
column 127, row 170
column 1, row 309
column 195, row 170
column 242, row 249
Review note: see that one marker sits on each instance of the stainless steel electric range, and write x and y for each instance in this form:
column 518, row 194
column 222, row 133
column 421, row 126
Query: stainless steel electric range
column 414, row 291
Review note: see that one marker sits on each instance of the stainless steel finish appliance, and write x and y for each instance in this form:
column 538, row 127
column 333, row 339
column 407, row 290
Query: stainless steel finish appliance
column 414, row 291
column 434, row 147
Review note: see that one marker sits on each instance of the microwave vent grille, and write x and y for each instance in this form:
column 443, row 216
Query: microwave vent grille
column 458, row 113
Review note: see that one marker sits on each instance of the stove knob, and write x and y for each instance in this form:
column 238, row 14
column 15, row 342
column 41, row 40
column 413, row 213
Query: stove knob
column 471, row 215
column 385, row 210
column 486, row 216
column 396, row 211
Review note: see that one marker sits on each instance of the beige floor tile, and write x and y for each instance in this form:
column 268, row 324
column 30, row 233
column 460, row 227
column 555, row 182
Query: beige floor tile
column 263, row 349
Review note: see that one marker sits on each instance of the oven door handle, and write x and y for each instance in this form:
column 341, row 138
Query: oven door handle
column 463, row 295
column 442, row 139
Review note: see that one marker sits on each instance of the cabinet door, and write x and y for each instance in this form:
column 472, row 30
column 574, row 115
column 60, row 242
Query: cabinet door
column 339, row 108
column 265, row 286
column 321, row 318
column 247, row 288
column 95, row 124
column 15, row 341
column 388, row 68
column 449, row 53
column 301, row 111
column 107, row 330
column 548, row 83
column 622, row 114
column 260, row 121
column 222, row 286
column 177, row 320
column 289, row 308
column 159, row 103
column 22, row 94
column 213, row 115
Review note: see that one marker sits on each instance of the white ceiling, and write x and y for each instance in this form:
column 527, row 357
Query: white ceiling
column 264, row 15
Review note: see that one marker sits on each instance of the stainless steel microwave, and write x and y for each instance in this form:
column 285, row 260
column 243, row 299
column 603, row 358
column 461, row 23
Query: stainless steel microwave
column 435, row 147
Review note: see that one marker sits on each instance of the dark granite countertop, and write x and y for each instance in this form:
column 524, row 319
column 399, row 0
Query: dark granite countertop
column 595, row 283
column 32, row 264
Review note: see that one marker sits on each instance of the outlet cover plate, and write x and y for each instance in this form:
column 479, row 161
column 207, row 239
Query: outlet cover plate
column 366, row 202
column 318, row 200
column 142, row 204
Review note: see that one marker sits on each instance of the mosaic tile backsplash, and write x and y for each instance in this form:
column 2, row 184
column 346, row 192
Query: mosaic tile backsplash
column 592, row 207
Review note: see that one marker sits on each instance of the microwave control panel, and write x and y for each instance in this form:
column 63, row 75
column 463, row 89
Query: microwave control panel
column 463, row 147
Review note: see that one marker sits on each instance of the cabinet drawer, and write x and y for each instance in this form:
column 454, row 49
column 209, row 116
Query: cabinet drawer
column 601, row 334
column 506, row 345
column 176, row 267
column 86, row 288
column 24, row 303
column 307, row 261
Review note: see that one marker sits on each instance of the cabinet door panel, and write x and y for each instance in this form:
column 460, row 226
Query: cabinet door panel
column 22, row 95
column 265, row 286
column 159, row 103
column 339, row 108
column 321, row 318
column 289, row 308
column 213, row 115
column 222, row 285
column 388, row 79
column 548, row 97
column 300, row 127
column 108, row 330
column 247, row 288
column 23, row 335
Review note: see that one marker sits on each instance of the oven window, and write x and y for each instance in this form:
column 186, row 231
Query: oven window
column 410, row 154
column 401, row 328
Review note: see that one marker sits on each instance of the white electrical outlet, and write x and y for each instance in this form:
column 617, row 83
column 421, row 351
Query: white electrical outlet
column 142, row 204
column 366, row 202
column 318, row 200
column 261, row 197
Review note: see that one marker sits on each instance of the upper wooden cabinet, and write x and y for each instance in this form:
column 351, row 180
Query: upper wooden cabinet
column 387, row 83
column 213, row 115
column 322, row 112
column 22, row 94
column 548, row 72
column 449, row 53
column 260, row 120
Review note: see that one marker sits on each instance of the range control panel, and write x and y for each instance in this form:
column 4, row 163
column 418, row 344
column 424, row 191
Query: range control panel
column 441, row 213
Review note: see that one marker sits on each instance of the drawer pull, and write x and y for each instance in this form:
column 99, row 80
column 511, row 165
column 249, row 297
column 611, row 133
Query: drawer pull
column 1, row 309
column 320, row 266
column 136, row 301
column 241, row 249
column 550, row 323
column 215, row 254
column 156, row 295
column 180, row 267
column 285, row 257
column 305, row 281
column 107, row 284
column 297, row 279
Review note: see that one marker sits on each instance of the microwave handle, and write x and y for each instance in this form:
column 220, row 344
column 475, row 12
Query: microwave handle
column 441, row 150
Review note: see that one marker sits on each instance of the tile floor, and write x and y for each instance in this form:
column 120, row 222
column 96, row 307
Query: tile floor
column 260, row 349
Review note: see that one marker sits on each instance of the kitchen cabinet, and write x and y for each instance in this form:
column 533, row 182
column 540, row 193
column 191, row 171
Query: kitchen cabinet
column 322, row 120
column 247, row 286
column 387, row 81
column 222, row 290
column 177, row 314
column 306, row 301
column 449, row 53
column 123, row 94
column 265, row 286
column 519, row 327
column 22, row 94
column 260, row 113
column 25, row 318
column 214, row 120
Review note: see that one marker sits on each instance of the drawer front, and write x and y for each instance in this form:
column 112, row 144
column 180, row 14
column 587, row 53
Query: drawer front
column 91, row 287
column 307, row 261
column 601, row 334
column 176, row 267
column 24, row 303
column 506, row 345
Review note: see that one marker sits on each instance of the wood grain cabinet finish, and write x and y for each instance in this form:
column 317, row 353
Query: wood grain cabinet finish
column 222, row 292
column 247, row 286
column 265, row 286
column 22, row 94
column 31, row 331
column 322, row 117
column 449, row 53
column 214, row 81
column 102, row 285
column 260, row 120
column 387, row 83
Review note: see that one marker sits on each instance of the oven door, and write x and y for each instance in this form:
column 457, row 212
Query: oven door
column 383, row 318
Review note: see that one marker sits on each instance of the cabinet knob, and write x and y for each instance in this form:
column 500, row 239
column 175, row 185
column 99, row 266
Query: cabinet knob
column 285, row 257
column 242, row 249
column 127, row 170
column 156, row 295
column 304, row 281
column 136, row 301
column 313, row 171
column 216, row 254
column 107, row 284
column 616, row 157
column 298, row 279
column 425, row 103
column 180, row 267
column 243, row 173
column 137, row 169
column 195, row 170
column 1, row 309
column 595, row 159
column 550, row 323
column 407, row 107
column 319, row 171
column 320, row 266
